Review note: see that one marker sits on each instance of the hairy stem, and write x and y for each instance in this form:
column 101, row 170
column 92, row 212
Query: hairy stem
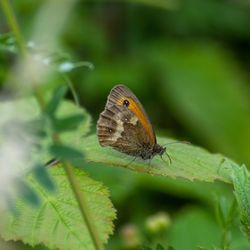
column 11, row 19
column 12, row 22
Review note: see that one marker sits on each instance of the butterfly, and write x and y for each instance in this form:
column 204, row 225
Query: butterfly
column 125, row 126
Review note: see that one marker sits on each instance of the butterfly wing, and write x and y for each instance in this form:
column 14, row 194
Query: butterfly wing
column 120, row 95
column 120, row 129
column 124, row 125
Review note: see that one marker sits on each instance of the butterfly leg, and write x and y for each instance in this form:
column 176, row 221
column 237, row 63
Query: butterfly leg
column 170, row 160
column 149, row 162
column 131, row 162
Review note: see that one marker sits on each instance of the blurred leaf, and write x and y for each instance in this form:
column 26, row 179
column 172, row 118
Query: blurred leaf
column 159, row 247
column 171, row 248
column 30, row 116
column 11, row 245
column 68, row 123
column 182, row 188
column 226, row 216
column 74, row 137
column 221, row 211
column 188, row 161
column 69, row 66
column 207, row 90
column 42, row 175
column 57, row 222
column 8, row 42
column 57, row 97
column 165, row 4
column 36, row 127
column 65, row 153
column 28, row 193
column 194, row 228
column 241, row 182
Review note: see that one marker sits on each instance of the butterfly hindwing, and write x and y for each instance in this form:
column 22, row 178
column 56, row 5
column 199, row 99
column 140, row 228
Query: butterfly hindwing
column 119, row 128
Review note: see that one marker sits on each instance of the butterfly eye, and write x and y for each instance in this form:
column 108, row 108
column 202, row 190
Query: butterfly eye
column 126, row 103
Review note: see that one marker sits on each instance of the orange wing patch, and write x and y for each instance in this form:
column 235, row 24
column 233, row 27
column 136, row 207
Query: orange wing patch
column 139, row 114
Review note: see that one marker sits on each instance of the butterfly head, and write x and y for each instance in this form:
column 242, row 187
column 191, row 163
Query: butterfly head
column 148, row 152
column 159, row 150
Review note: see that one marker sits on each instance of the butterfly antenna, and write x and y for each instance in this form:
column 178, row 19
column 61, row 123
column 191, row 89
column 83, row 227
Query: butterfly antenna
column 175, row 142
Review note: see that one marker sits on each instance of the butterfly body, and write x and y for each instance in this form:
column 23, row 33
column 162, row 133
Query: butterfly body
column 125, row 126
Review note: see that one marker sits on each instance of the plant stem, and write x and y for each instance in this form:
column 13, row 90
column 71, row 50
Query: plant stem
column 82, row 205
column 72, row 89
column 224, row 240
column 11, row 19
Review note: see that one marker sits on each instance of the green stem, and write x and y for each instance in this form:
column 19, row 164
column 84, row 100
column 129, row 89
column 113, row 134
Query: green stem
column 72, row 89
column 82, row 205
column 10, row 17
column 224, row 240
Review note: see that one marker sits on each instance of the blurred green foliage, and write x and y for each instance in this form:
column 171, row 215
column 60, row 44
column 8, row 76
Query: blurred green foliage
column 188, row 62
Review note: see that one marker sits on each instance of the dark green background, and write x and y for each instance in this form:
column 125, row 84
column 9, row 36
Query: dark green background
column 188, row 62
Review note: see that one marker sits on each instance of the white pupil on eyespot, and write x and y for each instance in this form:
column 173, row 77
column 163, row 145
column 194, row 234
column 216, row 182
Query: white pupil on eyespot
column 126, row 103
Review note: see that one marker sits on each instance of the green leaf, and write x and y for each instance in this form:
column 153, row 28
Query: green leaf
column 57, row 222
column 56, row 98
column 188, row 161
column 241, row 182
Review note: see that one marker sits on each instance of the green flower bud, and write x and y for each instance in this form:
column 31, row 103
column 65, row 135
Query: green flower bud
column 158, row 223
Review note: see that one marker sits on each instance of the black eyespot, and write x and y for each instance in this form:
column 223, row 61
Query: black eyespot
column 126, row 103
column 110, row 130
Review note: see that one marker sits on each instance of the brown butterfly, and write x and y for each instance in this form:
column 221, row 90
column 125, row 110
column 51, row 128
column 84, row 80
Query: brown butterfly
column 125, row 126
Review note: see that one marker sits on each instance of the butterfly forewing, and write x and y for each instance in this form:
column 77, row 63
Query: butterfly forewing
column 122, row 96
